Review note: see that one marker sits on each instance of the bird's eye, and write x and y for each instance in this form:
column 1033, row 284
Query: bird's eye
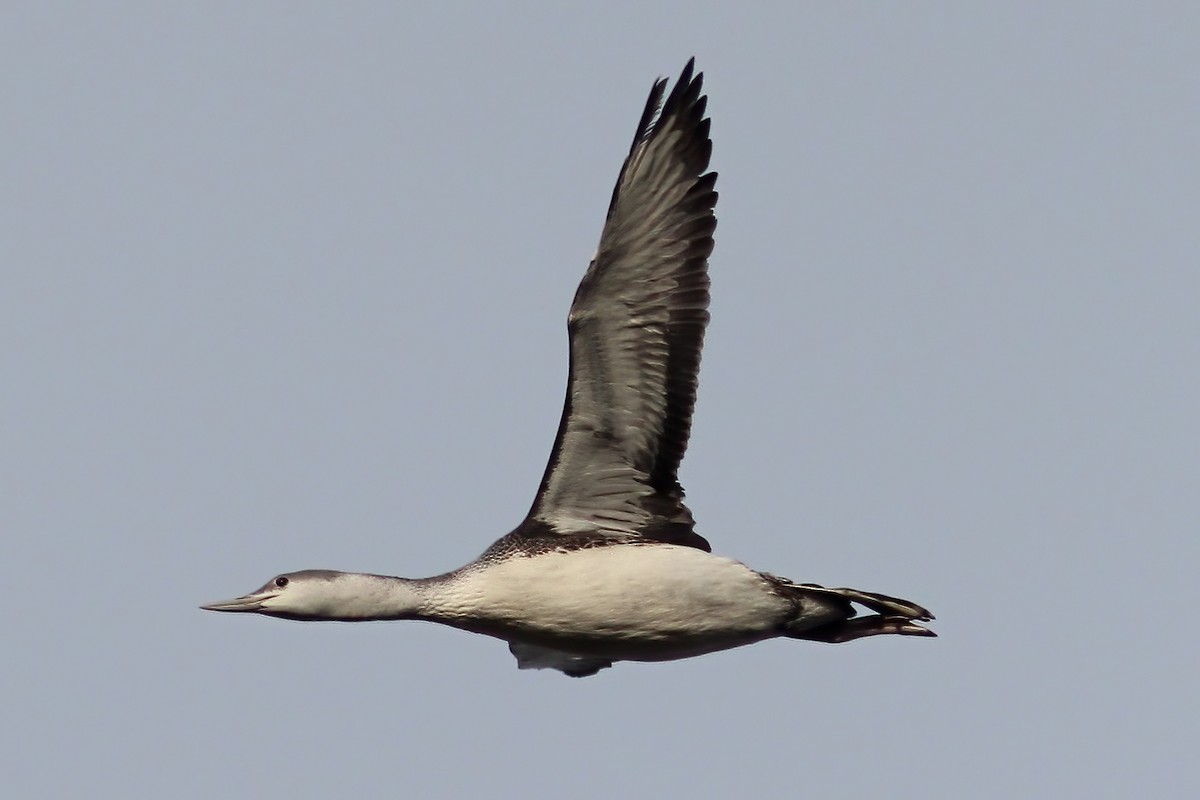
column 281, row 581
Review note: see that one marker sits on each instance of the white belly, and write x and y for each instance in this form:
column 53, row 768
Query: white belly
column 645, row 602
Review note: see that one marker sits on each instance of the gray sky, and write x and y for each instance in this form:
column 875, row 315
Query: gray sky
column 285, row 285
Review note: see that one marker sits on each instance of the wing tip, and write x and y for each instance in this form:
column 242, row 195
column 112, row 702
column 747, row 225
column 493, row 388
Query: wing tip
column 687, row 93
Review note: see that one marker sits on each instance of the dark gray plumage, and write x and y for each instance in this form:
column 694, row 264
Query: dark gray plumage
column 636, row 328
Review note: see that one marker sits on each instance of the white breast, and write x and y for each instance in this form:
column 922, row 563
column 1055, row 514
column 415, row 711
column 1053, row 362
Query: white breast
column 634, row 597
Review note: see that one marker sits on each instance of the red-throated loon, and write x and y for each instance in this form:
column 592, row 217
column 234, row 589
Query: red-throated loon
column 606, row 566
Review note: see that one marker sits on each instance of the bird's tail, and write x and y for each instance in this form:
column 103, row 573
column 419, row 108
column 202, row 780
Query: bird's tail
column 892, row 615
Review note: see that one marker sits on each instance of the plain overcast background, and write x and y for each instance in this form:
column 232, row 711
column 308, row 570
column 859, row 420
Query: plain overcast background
column 285, row 285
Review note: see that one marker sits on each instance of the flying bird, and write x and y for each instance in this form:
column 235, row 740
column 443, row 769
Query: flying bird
column 607, row 565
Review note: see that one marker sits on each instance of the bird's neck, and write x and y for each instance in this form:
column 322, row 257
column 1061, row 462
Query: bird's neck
column 354, row 597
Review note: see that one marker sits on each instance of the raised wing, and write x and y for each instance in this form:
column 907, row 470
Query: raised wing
column 636, row 329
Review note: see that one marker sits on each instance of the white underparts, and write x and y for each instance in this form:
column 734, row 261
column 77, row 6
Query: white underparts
column 643, row 602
